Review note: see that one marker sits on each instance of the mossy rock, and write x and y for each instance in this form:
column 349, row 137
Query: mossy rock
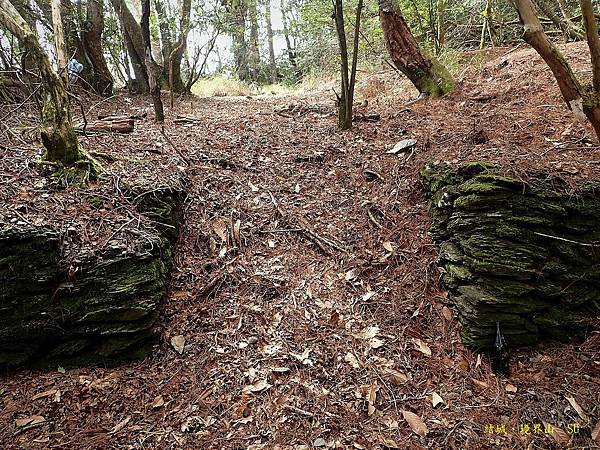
column 104, row 313
column 522, row 253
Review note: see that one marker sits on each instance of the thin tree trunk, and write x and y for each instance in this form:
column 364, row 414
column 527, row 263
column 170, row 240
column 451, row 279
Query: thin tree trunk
column 166, row 36
column 272, row 63
column 254, row 54
column 174, row 63
column 92, row 41
column 59, row 40
column 486, row 27
column 238, row 10
column 343, row 106
column 441, row 25
column 56, row 129
column 286, row 34
column 348, row 75
column 135, row 44
column 428, row 76
column 591, row 32
column 152, row 68
column 577, row 100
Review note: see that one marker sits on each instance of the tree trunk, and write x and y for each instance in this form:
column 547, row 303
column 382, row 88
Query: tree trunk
column 56, row 129
column 580, row 102
column 238, row 11
column 344, row 109
column 286, row 34
column 92, row 40
column 254, row 54
column 59, row 41
column 428, row 76
column 346, row 97
column 591, row 32
column 441, row 24
column 152, row 68
column 135, row 43
column 176, row 83
column 166, row 37
column 272, row 63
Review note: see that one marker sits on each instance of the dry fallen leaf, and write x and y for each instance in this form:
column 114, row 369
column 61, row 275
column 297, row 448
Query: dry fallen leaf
column 481, row 384
column 219, row 226
column 32, row 420
column 578, row 409
column 366, row 297
column 436, row 399
column 395, row 376
column 367, row 333
column 376, row 343
column 596, row 432
column 236, row 232
column 259, row 386
column 371, row 398
column 559, row 435
column 422, row 347
column 447, row 313
column 158, row 402
column 510, row 388
column 178, row 343
column 44, row 394
column 122, row 424
column 351, row 359
column 415, row 422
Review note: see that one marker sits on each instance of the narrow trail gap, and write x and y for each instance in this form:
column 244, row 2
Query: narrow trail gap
column 311, row 305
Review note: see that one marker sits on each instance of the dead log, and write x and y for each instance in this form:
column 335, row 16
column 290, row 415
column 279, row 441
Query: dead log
column 360, row 117
column 113, row 117
column 107, row 126
column 186, row 119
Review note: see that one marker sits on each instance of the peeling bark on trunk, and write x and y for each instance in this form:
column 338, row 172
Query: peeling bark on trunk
column 428, row 76
column 59, row 40
column 56, row 129
column 92, row 33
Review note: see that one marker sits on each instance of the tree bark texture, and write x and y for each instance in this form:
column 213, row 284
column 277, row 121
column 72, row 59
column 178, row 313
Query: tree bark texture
column 428, row 76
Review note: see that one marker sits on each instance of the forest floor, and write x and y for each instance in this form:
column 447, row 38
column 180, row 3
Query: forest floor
column 305, row 283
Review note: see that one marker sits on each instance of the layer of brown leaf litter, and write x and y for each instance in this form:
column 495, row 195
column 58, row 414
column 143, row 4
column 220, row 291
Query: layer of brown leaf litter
column 305, row 292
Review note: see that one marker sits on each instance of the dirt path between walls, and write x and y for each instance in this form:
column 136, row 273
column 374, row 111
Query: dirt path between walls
column 305, row 308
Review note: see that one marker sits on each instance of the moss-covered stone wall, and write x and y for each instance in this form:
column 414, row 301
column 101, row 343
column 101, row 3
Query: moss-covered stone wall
column 101, row 307
column 525, row 254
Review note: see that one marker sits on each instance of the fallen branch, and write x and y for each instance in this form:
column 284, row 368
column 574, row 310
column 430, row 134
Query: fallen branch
column 360, row 117
column 302, row 228
column 113, row 117
column 106, row 126
column 185, row 119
